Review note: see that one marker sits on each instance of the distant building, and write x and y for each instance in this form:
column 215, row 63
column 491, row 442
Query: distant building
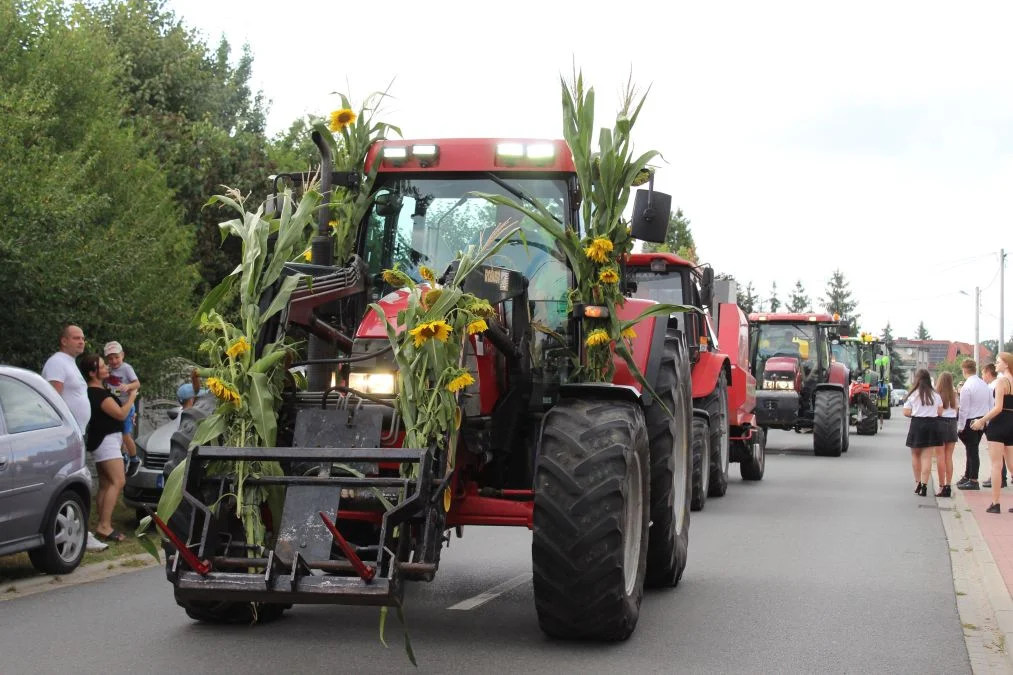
column 915, row 354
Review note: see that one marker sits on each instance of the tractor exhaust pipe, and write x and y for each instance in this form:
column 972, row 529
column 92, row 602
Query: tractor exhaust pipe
column 318, row 375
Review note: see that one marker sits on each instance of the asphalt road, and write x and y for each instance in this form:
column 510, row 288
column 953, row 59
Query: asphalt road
column 828, row 565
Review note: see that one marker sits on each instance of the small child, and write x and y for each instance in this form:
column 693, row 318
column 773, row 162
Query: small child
column 121, row 380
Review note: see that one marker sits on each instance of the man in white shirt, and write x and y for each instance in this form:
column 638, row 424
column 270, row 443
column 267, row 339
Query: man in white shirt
column 975, row 401
column 62, row 372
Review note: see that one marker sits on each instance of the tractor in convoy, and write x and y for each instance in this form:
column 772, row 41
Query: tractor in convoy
column 799, row 385
column 601, row 473
column 867, row 362
column 724, row 426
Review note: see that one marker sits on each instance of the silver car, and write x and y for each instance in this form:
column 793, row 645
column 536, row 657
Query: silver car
column 45, row 486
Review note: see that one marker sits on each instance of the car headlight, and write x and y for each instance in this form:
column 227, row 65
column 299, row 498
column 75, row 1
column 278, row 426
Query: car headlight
column 372, row 383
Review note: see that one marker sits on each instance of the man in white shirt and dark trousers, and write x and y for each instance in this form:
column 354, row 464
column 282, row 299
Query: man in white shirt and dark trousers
column 62, row 372
column 975, row 401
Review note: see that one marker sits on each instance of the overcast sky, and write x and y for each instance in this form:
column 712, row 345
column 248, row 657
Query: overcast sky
column 874, row 137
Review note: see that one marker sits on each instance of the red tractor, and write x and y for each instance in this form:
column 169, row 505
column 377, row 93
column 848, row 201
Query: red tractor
column 601, row 473
column 800, row 386
column 724, row 427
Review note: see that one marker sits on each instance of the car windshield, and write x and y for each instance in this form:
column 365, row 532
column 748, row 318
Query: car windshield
column 660, row 286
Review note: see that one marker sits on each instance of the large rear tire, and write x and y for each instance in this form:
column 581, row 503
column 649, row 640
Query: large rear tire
column 830, row 423
column 717, row 408
column 671, row 469
column 753, row 468
column 591, row 517
column 869, row 424
column 701, row 463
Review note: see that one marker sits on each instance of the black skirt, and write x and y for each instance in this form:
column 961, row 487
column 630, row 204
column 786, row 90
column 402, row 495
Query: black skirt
column 924, row 432
column 1000, row 429
column 948, row 429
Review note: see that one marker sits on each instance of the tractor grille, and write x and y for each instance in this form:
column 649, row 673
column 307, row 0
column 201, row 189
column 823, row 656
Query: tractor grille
column 155, row 462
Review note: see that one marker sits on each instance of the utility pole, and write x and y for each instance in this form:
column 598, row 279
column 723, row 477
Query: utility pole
column 977, row 313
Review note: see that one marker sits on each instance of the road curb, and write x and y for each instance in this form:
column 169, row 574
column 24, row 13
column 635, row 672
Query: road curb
column 983, row 600
column 84, row 574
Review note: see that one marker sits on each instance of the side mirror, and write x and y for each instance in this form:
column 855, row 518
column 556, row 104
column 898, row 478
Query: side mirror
column 650, row 215
column 174, row 413
column 707, row 287
column 388, row 204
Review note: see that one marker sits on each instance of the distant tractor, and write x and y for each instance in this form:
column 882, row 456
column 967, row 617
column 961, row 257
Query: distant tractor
column 865, row 357
column 724, row 427
column 799, row 386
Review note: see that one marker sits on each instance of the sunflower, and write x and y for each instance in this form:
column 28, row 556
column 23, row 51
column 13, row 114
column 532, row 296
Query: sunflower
column 341, row 119
column 396, row 278
column 223, row 391
column 427, row 274
column 307, row 255
column 629, row 333
column 481, row 308
column 431, row 298
column 460, row 381
column 477, row 326
column 608, row 276
column 642, row 177
column 598, row 249
column 597, row 338
column 430, row 329
column 238, row 348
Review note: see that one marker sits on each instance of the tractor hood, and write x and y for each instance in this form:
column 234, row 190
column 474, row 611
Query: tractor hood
column 782, row 365
column 373, row 326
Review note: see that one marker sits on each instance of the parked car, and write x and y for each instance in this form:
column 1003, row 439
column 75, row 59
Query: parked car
column 145, row 487
column 45, row 485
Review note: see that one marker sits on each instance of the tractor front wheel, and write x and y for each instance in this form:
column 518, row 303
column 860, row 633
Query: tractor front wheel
column 830, row 423
column 753, row 467
column 717, row 408
column 591, row 517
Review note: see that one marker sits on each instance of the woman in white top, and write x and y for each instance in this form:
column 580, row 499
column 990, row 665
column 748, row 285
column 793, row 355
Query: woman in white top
column 948, row 433
column 923, row 406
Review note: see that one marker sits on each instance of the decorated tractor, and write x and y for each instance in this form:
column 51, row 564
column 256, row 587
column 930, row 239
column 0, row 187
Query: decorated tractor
column 599, row 471
column 724, row 426
column 867, row 362
column 799, row 385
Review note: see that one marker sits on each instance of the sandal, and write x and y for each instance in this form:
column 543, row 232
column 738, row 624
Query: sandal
column 114, row 536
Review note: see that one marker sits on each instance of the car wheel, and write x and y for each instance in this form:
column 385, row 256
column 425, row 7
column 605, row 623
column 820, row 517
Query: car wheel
column 65, row 532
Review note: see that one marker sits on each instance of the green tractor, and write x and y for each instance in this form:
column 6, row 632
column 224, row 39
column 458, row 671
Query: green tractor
column 868, row 362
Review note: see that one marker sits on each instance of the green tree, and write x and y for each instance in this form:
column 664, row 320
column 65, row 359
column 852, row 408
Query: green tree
column 679, row 239
column 798, row 301
column 773, row 302
column 837, row 299
column 747, row 299
column 194, row 112
column 896, row 377
column 293, row 150
column 92, row 233
column 953, row 368
column 922, row 333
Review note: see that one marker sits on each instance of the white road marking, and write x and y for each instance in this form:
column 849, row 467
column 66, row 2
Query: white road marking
column 492, row 593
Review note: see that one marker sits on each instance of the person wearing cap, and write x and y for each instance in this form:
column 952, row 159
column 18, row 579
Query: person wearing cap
column 122, row 380
column 187, row 393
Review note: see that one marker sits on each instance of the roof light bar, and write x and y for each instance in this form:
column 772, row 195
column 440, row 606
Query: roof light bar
column 540, row 151
column 395, row 153
column 510, row 149
column 424, row 150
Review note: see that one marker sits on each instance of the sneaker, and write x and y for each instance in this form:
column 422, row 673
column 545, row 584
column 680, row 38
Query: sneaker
column 968, row 485
column 133, row 466
column 94, row 544
column 986, row 483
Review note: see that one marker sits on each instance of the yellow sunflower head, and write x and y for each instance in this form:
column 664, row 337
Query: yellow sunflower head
column 477, row 326
column 629, row 333
column 397, row 278
column 439, row 330
column 238, row 348
column 430, row 298
column 608, row 276
column 598, row 249
column 341, row 119
column 461, row 380
column 307, row 255
column 427, row 274
column 597, row 337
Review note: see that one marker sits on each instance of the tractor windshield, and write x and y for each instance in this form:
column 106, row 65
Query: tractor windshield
column 427, row 220
column 660, row 286
column 847, row 352
column 797, row 340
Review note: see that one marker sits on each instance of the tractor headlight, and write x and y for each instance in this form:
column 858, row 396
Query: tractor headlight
column 372, row 383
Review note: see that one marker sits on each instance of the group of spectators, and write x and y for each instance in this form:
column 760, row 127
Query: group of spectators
column 939, row 417
column 101, row 391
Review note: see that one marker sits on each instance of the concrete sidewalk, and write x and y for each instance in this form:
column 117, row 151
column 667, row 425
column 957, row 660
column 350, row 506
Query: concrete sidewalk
column 981, row 553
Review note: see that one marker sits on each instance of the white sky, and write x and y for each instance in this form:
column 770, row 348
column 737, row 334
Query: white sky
column 783, row 124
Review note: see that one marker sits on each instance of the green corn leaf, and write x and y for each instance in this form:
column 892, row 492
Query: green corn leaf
column 280, row 301
column 261, row 405
column 172, row 492
column 383, row 624
column 214, row 298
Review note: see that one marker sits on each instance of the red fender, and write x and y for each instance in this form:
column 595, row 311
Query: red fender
column 706, row 371
column 642, row 343
column 838, row 375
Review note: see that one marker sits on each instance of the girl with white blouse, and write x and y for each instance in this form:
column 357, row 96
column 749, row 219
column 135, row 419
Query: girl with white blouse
column 948, row 433
column 924, row 405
